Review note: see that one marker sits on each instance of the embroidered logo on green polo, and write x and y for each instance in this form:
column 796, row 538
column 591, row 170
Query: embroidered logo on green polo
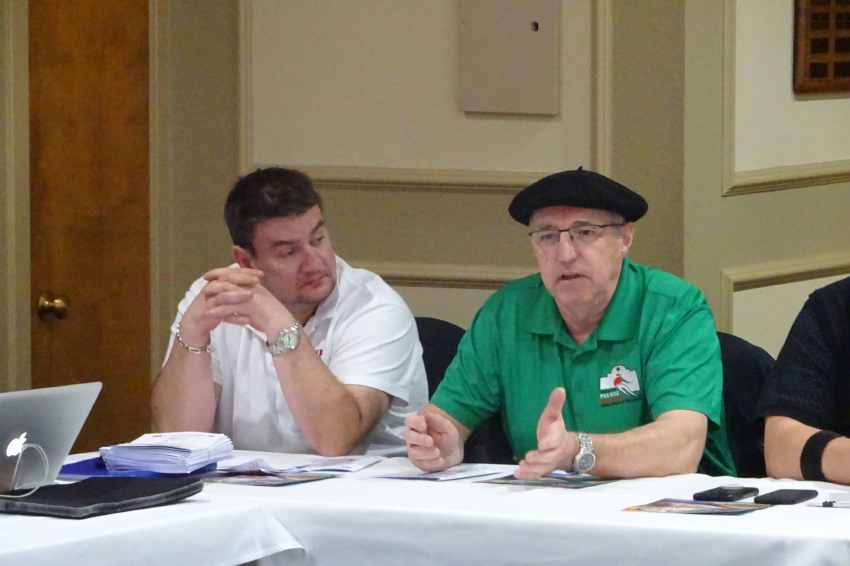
column 620, row 385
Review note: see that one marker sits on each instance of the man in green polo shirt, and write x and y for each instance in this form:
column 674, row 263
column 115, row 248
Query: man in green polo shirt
column 596, row 363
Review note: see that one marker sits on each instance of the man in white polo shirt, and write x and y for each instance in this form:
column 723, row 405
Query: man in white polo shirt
column 290, row 349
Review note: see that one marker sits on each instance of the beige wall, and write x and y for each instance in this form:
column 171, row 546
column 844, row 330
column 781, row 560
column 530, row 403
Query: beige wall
column 764, row 315
column 447, row 303
column 647, row 74
column 374, row 83
column 195, row 146
column 14, row 198
column 745, row 240
column 5, row 178
column 417, row 183
column 415, row 188
column 773, row 127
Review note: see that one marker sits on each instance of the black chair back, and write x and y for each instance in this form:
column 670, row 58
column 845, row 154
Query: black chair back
column 744, row 369
column 439, row 339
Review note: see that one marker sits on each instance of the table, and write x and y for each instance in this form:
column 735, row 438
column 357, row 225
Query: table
column 204, row 529
column 361, row 519
column 364, row 520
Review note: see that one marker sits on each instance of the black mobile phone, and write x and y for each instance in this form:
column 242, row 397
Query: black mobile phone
column 726, row 493
column 786, row 496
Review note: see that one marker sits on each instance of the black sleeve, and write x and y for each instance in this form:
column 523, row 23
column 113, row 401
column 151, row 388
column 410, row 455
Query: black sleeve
column 803, row 383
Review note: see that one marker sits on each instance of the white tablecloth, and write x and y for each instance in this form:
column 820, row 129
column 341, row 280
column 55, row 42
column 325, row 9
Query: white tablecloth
column 203, row 529
column 364, row 520
column 374, row 522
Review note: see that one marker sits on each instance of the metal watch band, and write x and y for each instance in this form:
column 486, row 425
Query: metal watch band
column 287, row 340
column 585, row 459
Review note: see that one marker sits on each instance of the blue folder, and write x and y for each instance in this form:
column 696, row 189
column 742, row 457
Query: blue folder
column 96, row 467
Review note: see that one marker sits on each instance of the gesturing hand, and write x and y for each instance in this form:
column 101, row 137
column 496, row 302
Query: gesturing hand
column 556, row 447
column 433, row 441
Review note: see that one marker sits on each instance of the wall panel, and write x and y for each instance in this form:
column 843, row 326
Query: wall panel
column 764, row 315
column 728, row 234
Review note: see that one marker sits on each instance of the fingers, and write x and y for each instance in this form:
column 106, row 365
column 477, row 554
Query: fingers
column 542, row 458
column 555, row 406
column 421, row 447
column 222, row 294
column 236, row 275
column 416, row 436
column 418, row 439
column 226, row 300
column 429, row 465
column 439, row 424
column 237, row 318
column 552, row 418
column 532, row 471
column 538, row 463
column 416, row 422
column 419, row 454
column 432, row 441
column 552, row 440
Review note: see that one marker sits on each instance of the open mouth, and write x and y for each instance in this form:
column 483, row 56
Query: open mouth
column 569, row 277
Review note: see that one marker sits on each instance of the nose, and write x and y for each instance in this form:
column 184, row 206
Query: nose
column 565, row 250
column 312, row 259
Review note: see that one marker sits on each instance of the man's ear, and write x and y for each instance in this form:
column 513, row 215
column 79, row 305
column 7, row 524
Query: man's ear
column 243, row 257
column 628, row 233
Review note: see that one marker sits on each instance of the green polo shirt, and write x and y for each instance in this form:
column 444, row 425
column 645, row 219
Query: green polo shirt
column 655, row 350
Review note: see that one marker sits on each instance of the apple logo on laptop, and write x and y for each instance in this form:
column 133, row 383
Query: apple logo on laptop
column 16, row 445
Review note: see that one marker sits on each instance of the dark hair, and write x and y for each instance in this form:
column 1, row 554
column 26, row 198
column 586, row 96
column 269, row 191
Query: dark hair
column 273, row 192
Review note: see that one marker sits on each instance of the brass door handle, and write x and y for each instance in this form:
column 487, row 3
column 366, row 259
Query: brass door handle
column 56, row 307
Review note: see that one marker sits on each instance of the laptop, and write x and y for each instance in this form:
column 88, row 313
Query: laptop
column 50, row 417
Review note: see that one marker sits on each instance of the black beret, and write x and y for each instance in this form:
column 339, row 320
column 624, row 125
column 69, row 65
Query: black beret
column 579, row 188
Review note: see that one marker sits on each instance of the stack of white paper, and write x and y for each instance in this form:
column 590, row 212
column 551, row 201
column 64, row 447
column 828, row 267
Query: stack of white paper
column 168, row 453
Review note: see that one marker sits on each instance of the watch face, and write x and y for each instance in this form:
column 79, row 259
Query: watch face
column 289, row 339
column 585, row 462
column 286, row 341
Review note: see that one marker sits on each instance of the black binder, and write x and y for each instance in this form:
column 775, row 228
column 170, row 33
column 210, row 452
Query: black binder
column 101, row 496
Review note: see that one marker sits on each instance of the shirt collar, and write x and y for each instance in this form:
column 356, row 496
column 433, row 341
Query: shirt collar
column 622, row 317
column 544, row 317
column 326, row 307
column 619, row 322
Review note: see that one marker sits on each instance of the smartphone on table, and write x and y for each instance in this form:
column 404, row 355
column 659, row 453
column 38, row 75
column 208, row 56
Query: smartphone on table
column 786, row 496
column 726, row 493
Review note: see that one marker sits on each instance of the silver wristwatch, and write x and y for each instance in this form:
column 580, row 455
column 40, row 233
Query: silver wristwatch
column 585, row 459
column 286, row 341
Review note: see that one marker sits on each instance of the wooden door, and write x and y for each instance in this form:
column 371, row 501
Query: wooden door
column 90, row 206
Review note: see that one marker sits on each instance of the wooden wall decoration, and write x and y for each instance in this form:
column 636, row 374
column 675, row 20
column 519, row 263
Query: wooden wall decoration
column 822, row 46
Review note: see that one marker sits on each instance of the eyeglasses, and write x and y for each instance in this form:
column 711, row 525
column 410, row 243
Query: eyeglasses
column 581, row 235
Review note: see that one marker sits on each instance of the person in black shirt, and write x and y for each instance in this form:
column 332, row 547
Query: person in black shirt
column 806, row 398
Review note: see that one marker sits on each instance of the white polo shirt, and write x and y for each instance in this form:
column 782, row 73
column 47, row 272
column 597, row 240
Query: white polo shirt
column 365, row 334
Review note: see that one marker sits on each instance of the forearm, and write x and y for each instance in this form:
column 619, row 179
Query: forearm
column 784, row 439
column 331, row 418
column 666, row 446
column 184, row 394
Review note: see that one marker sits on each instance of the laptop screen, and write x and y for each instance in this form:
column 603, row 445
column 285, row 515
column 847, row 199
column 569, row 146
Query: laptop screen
column 50, row 417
